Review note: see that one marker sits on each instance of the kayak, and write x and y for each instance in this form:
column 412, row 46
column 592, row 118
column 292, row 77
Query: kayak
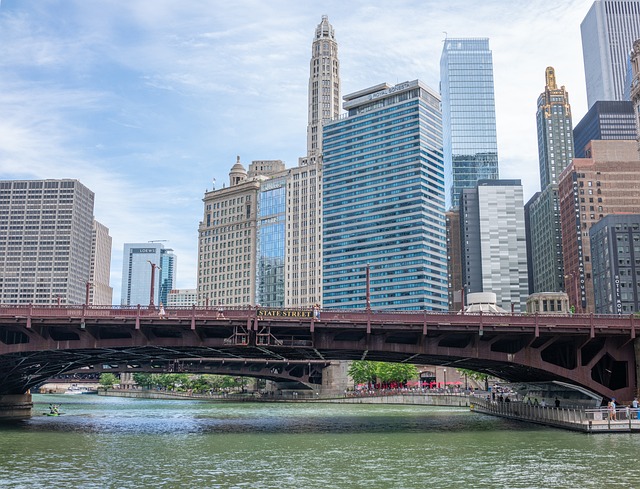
column 52, row 414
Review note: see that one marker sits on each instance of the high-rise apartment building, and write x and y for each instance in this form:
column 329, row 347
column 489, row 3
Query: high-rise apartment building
column 142, row 277
column 46, row 229
column 227, row 243
column 605, row 120
column 468, row 115
column 555, row 151
column 303, row 284
column 608, row 182
column 608, row 32
column 615, row 252
column 383, row 187
column 100, row 292
column 494, row 251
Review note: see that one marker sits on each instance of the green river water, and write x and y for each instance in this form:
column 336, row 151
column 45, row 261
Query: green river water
column 110, row 442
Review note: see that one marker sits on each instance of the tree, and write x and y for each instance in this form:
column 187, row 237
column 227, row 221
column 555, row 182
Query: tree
column 370, row 372
column 477, row 376
column 108, row 380
column 362, row 371
column 144, row 379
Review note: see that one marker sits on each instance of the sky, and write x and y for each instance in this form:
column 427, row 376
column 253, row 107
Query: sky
column 147, row 102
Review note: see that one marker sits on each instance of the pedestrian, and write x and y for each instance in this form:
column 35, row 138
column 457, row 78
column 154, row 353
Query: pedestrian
column 612, row 409
column 557, row 402
column 161, row 313
column 634, row 405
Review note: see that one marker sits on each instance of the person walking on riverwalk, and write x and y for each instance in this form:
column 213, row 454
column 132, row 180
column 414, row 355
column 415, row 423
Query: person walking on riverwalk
column 612, row 410
column 634, row 405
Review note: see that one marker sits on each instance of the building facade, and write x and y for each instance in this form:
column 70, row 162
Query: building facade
column 555, row 151
column 591, row 188
column 454, row 260
column 608, row 32
column 168, row 265
column 383, row 187
column 544, row 241
column 46, row 230
column 303, row 284
column 605, row 120
column 324, row 84
column 494, row 254
column 635, row 88
column 468, row 115
column 615, row 249
column 141, row 263
column 182, row 298
column 227, row 244
column 100, row 292
column 271, row 245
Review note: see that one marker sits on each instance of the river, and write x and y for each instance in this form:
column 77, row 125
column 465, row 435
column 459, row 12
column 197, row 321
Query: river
column 111, row 442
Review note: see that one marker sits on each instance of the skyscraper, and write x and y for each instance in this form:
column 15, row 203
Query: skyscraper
column 615, row 248
column 607, row 182
column 555, row 151
column 468, row 115
column 271, row 241
column 494, row 255
column 608, row 32
column 303, row 284
column 324, row 84
column 142, row 262
column 168, row 265
column 384, row 201
column 100, row 292
column 635, row 87
column 227, row 244
column 605, row 120
column 46, row 229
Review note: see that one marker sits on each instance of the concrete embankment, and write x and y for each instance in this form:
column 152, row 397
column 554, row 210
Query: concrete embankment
column 450, row 400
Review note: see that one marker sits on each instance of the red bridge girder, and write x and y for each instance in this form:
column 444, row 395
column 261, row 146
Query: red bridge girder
column 596, row 352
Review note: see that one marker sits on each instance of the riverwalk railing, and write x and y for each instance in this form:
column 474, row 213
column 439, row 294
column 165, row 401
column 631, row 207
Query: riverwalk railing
column 597, row 420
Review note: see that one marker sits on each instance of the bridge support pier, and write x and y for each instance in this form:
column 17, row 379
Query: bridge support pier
column 15, row 406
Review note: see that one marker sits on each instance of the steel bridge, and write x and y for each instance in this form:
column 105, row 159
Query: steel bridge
column 594, row 351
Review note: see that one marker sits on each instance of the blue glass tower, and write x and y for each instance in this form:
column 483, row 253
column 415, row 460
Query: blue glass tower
column 384, row 201
column 468, row 115
column 271, row 242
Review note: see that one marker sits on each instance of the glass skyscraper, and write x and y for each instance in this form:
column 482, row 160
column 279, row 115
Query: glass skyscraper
column 468, row 115
column 384, row 201
column 271, row 242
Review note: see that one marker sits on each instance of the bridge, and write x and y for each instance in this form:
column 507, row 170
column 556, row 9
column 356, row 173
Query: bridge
column 598, row 352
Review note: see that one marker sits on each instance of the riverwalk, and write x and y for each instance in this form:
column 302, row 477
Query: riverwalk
column 597, row 420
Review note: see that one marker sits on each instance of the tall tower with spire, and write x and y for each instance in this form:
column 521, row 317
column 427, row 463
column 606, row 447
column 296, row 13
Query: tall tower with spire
column 303, row 280
column 555, row 152
column 324, row 84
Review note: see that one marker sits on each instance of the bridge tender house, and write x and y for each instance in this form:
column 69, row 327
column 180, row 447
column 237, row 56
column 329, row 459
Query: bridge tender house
column 284, row 314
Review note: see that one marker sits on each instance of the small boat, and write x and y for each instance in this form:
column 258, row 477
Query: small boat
column 52, row 414
column 74, row 389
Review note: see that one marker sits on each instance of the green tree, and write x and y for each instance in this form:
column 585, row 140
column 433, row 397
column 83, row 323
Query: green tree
column 362, row 371
column 108, row 380
column 144, row 379
column 477, row 376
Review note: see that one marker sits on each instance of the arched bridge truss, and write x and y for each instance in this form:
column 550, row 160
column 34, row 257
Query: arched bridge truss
column 596, row 352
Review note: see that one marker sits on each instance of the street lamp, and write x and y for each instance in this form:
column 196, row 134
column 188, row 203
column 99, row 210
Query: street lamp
column 153, row 283
column 445, row 378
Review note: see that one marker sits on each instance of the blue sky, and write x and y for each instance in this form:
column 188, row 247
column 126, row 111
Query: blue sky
column 147, row 101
